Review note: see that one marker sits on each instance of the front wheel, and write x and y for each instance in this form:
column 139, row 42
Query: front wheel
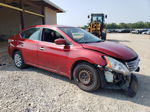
column 86, row 77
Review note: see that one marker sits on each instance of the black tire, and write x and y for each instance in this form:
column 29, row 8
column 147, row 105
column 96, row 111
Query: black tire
column 86, row 77
column 133, row 88
column 18, row 60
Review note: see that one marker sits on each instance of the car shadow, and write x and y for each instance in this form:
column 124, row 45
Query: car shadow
column 11, row 67
column 142, row 97
column 50, row 74
column 113, row 40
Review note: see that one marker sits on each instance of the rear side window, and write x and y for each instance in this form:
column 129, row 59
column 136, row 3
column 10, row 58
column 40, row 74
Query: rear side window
column 33, row 34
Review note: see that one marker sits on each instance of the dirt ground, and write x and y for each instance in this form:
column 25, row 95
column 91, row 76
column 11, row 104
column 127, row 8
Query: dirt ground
column 37, row 90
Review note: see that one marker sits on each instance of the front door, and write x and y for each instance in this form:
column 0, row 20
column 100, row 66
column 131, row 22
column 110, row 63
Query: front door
column 50, row 55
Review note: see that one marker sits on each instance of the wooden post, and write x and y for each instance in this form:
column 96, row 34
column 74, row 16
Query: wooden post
column 43, row 13
column 22, row 14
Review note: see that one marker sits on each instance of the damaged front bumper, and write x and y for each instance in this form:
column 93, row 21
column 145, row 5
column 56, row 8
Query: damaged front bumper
column 112, row 79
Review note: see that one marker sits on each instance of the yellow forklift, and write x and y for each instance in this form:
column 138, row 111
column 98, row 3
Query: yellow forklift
column 96, row 25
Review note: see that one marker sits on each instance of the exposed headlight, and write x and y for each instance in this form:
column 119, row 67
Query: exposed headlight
column 115, row 65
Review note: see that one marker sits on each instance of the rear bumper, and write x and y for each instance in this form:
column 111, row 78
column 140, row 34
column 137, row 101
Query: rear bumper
column 10, row 49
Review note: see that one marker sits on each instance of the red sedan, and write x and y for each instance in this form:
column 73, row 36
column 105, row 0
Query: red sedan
column 77, row 54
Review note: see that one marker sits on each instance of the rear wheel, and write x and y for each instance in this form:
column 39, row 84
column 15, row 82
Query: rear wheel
column 18, row 60
column 86, row 77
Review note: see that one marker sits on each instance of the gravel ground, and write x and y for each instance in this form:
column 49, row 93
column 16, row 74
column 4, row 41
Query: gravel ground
column 37, row 90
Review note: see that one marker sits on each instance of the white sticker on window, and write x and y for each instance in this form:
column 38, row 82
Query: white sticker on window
column 78, row 35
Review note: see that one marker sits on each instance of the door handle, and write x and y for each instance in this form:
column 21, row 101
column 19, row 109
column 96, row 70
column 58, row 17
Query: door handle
column 41, row 48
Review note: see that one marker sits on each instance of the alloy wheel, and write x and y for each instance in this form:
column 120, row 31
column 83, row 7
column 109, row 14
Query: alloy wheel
column 18, row 60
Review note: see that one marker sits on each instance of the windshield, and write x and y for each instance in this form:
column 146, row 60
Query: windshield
column 79, row 35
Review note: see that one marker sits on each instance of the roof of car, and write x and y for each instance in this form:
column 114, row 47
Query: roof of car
column 51, row 26
column 46, row 26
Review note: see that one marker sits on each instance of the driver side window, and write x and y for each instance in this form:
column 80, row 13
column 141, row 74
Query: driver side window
column 49, row 35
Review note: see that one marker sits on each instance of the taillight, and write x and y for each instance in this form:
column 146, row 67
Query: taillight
column 10, row 40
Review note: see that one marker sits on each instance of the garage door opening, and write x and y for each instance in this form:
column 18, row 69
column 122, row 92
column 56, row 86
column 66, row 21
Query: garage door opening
column 19, row 14
column 9, row 22
column 15, row 17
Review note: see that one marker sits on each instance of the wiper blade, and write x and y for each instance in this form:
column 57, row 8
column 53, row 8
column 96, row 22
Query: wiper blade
column 85, row 42
column 99, row 41
column 92, row 42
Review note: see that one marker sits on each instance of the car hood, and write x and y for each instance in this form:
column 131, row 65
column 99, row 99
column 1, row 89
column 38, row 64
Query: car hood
column 113, row 49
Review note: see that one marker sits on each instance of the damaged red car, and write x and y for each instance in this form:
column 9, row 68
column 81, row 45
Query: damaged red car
column 73, row 52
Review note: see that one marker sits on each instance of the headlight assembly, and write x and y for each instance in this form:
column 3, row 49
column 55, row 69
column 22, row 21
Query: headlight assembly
column 115, row 65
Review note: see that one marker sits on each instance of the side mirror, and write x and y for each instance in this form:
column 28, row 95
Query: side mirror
column 106, row 16
column 88, row 16
column 60, row 41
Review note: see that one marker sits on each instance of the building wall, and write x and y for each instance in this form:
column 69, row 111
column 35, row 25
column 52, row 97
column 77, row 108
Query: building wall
column 9, row 21
column 30, row 20
column 50, row 16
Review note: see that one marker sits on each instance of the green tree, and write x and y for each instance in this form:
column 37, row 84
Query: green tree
column 139, row 24
column 112, row 26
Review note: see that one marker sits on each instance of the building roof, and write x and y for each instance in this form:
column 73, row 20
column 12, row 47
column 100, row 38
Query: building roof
column 48, row 3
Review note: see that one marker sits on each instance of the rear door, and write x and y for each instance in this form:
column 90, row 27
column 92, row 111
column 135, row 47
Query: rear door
column 29, row 44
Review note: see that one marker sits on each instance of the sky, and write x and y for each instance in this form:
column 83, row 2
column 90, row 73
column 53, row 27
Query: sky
column 118, row 11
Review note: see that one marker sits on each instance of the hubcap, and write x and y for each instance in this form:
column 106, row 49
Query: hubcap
column 85, row 77
column 18, row 60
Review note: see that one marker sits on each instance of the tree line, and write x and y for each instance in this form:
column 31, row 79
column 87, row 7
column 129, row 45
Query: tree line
column 128, row 25
column 136, row 25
